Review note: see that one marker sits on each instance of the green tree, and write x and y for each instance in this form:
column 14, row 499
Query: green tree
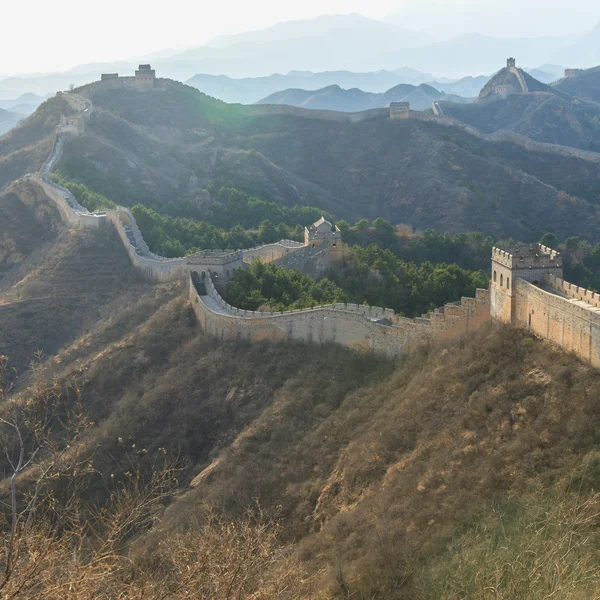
column 550, row 240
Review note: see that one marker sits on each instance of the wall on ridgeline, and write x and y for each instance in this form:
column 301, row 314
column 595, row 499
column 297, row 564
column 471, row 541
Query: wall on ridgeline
column 353, row 326
column 573, row 291
column 151, row 269
column 572, row 324
column 269, row 252
column 309, row 260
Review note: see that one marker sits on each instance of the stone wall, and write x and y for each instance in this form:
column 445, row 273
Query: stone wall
column 504, row 136
column 572, row 324
column 151, row 268
column 354, row 326
column 574, row 291
column 271, row 252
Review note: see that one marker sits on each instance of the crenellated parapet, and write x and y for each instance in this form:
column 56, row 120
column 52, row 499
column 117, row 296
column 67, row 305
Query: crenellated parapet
column 527, row 257
column 368, row 328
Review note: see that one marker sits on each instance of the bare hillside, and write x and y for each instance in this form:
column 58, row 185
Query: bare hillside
column 56, row 282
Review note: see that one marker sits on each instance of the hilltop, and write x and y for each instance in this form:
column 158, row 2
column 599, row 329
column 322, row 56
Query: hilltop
column 541, row 112
column 584, row 84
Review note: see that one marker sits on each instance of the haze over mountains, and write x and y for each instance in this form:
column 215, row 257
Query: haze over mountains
column 337, row 43
column 355, row 100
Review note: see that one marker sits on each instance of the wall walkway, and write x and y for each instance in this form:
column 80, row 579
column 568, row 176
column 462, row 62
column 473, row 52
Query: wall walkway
column 360, row 327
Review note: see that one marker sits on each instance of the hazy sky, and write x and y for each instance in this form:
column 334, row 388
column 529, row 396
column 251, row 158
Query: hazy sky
column 44, row 35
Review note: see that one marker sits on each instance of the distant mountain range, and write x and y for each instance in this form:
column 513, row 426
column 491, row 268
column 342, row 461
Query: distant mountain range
column 254, row 89
column 354, row 100
column 339, row 43
column 250, row 90
column 8, row 120
column 24, row 104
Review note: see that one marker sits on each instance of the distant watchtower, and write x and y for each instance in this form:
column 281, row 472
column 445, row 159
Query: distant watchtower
column 323, row 233
column 511, row 63
column 145, row 76
column 572, row 72
column 399, row 110
column 531, row 263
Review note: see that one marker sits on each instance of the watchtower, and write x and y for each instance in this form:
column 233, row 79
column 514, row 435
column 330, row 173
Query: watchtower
column 145, row 76
column 399, row 110
column 572, row 72
column 323, row 233
column 531, row 263
column 219, row 264
column 511, row 63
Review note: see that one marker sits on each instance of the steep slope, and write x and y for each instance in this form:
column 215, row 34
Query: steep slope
column 26, row 147
column 543, row 117
column 56, row 283
column 585, row 85
column 372, row 468
column 27, row 221
column 544, row 113
column 519, row 79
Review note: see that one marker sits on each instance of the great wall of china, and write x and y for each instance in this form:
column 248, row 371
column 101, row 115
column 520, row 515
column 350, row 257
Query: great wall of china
column 526, row 288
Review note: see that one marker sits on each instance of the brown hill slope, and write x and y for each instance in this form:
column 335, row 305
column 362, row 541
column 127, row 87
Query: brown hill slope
column 25, row 148
column 57, row 283
column 372, row 467
column 27, row 221
column 419, row 171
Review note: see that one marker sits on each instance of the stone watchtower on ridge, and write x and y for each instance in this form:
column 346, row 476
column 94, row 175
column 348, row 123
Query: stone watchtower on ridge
column 324, row 234
column 145, row 76
column 400, row 110
column 531, row 263
column 511, row 63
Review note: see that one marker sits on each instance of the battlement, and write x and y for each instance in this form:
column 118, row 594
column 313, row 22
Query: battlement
column 367, row 328
column 534, row 256
column 216, row 257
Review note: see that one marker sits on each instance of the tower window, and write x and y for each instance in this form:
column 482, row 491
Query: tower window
column 501, row 280
column 494, row 276
column 508, row 283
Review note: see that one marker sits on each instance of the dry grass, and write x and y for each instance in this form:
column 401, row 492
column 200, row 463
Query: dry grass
column 378, row 473
column 547, row 548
